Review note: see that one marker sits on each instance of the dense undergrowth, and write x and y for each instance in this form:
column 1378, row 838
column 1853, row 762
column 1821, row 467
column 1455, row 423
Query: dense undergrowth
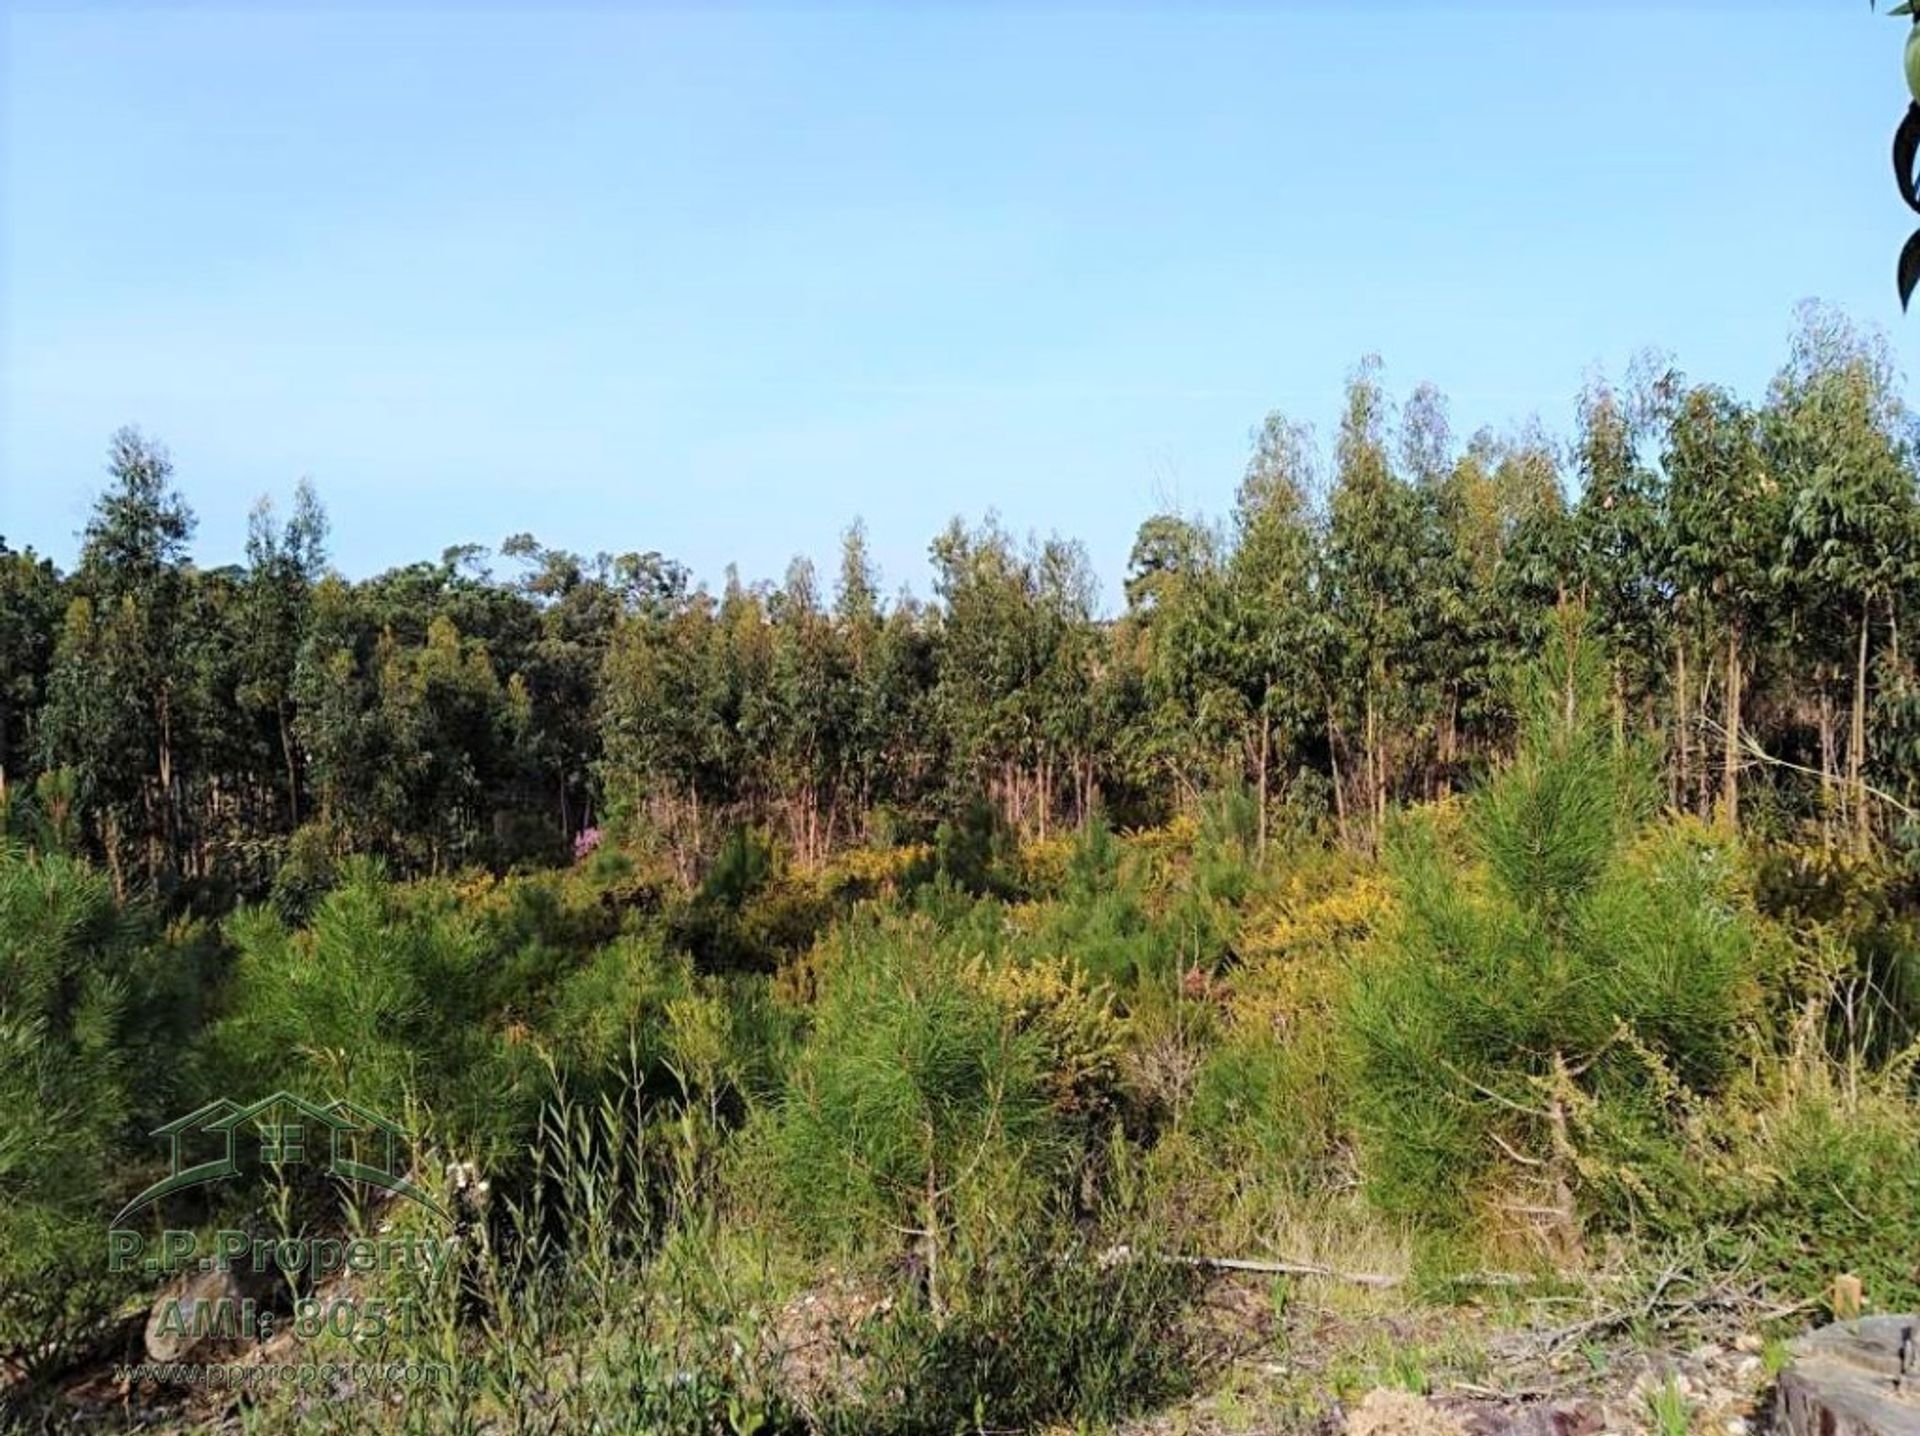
column 917, row 1140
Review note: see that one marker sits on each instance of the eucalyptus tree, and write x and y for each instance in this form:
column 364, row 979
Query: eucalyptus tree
column 1176, row 634
column 1168, row 550
column 1173, row 586
column 1839, row 439
column 1724, row 522
column 284, row 561
column 658, row 718
column 1495, row 575
column 578, row 604
column 985, row 665
column 1376, row 524
column 117, row 663
column 1457, row 543
column 747, row 734
column 1617, row 540
column 1065, row 660
column 809, row 689
column 913, row 761
column 1271, row 640
column 30, row 607
column 868, row 714
column 416, row 748
column 890, row 753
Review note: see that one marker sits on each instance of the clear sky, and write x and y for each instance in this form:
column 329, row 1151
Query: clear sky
column 714, row 282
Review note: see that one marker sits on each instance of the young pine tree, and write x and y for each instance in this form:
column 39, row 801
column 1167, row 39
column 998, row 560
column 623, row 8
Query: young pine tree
column 1561, row 966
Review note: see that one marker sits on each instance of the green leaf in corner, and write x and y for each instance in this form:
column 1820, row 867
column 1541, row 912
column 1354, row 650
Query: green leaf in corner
column 1909, row 268
column 1906, row 148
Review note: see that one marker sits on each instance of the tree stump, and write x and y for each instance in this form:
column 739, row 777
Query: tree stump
column 1854, row 1378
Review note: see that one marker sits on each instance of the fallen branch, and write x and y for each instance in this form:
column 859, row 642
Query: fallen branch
column 1260, row 1266
column 1291, row 1268
column 1751, row 746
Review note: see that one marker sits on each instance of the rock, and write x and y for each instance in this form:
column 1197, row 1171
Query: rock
column 1854, row 1378
column 1562, row 1418
column 1388, row 1412
column 183, row 1318
column 1557, row 1418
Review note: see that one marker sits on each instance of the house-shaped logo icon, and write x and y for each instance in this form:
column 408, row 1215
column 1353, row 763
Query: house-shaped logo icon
column 343, row 1138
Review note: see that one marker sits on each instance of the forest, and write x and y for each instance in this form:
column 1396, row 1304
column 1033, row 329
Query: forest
column 1487, row 866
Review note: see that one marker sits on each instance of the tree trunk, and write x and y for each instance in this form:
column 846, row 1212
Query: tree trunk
column 1376, row 771
column 293, row 777
column 166, row 769
column 1565, row 1159
column 1730, row 761
column 1682, row 739
column 1266, row 745
column 110, row 840
column 1333, row 761
column 1826, row 766
column 1857, row 739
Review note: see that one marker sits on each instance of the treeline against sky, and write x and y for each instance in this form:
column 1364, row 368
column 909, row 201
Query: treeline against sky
column 1343, row 641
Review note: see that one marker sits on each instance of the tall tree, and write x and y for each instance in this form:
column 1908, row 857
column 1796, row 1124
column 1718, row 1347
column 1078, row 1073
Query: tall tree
column 30, row 606
column 1839, row 439
column 117, row 668
column 1375, row 538
column 1270, row 601
column 1722, row 533
column 284, row 561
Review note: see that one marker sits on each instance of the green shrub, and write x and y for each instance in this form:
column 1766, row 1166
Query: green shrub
column 387, row 998
column 1112, row 935
column 750, row 914
column 1870, row 907
column 311, row 868
column 1830, row 1183
column 1266, row 1108
column 718, row 1040
column 613, row 1003
column 574, row 1306
column 1807, row 1168
column 916, row 1106
column 1563, row 954
column 96, row 1012
column 1046, row 1331
column 976, row 851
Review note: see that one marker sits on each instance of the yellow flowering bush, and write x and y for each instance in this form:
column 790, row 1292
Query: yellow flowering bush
column 1294, row 944
column 1071, row 1017
column 870, row 872
column 1177, row 835
column 1044, row 861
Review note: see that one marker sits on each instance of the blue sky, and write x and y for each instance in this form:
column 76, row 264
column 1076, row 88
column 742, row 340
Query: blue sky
column 716, row 282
